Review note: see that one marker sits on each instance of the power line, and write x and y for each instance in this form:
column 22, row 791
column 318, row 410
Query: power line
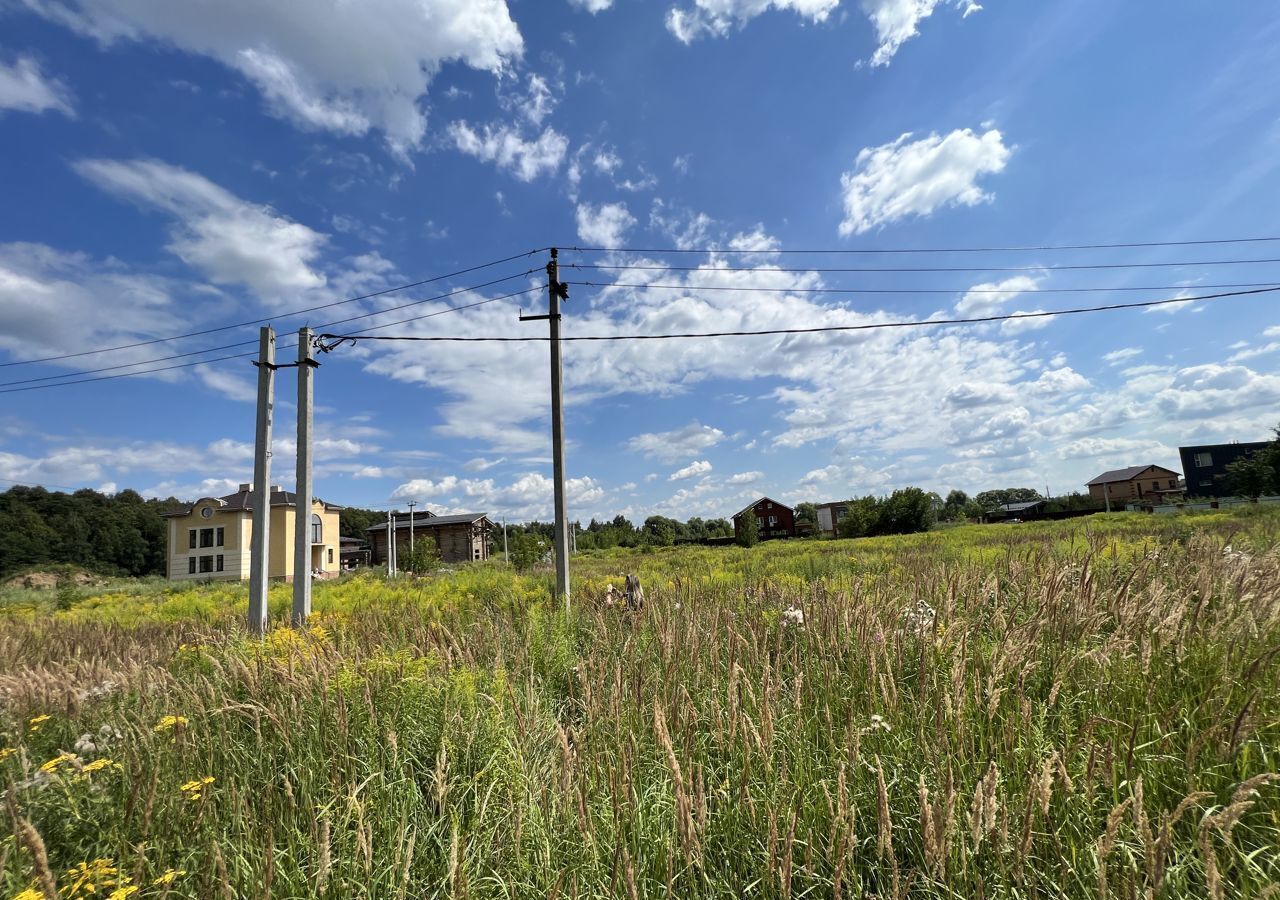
column 693, row 288
column 285, row 315
column 201, row 362
column 143, row 362
column 717, row 269
column 337, row 340
column 871, row 250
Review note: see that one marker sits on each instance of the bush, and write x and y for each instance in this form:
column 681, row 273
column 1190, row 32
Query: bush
column 748, row 531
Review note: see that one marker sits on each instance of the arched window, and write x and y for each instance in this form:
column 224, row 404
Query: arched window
column 317, row 529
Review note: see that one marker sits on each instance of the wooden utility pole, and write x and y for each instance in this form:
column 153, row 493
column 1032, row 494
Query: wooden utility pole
column 303, row 489
column 260, row 545
column 557, row 291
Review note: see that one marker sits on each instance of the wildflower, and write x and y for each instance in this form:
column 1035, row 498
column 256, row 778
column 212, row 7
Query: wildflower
column 29, row 894
column 878, row 723
column 35, row 723
column 99, row 764
column 6, row 752
column 171, row 723
column 194, row 790
column 86, row 878
column 793, row 615
column 168, row 877
column 52, row 765
column 124, row 892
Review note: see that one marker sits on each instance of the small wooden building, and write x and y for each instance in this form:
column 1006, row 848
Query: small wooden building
column 773, row 519
column 461, row 538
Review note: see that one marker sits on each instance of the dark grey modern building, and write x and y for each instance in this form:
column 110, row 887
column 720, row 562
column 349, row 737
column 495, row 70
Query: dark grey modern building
column 1204, row 466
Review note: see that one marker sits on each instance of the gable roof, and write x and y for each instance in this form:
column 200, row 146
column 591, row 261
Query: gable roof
column 1126, row 474
column 420, row 522
column 242, row 501
column 762, row 500
column 1020, row 507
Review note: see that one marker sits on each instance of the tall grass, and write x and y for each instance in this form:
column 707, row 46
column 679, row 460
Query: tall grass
column 1079, row 709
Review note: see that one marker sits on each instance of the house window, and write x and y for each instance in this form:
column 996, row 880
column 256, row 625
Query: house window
column 317, row 530
column 206, row 537
column 1203, row 460
column 191, row 565
column 769, row 505
column 1173, row 484
column 773, row 520
column 191, row 535
column 330, row 556
column 217, row 563
column 759, row 521
column 220, row 541
column 206, row 564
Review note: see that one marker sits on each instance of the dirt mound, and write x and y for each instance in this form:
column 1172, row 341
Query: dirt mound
column 43, row 581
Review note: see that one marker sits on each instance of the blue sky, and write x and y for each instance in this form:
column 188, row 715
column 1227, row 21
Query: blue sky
column 174, row 167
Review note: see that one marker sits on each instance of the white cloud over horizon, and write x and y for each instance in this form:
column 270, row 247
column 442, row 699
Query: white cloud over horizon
column 25, row 88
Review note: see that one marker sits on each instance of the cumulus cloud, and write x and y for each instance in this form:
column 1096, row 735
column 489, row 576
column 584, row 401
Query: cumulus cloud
column 328, row 65
column 23, row 87
column 907, row 178
column 231, row 240
column 605, row 225
column 990, row 297
column 715, row 18
column 669, row 446
column 592, row 6
column 1124, row 353
column 744, row 478
column 528, row 496
column 698, row 467
column 898, row 21
column 504, row 146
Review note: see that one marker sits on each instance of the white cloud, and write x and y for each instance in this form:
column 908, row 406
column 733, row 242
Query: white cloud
column 669, row 446
column 328, row 64
column 605, row 225
column 898, row 21
column 25, row 88
column 528, row 496
column 231, row 240
column 990, row 297
column 915, row 178
column 507, row 149
column 592, row 6
column 698, row 467
column 715, row 18
column 1119, row 356
column 480, row 464
column 744, row 478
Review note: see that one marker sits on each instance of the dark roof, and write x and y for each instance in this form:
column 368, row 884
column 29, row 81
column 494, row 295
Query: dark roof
column 242, row 501
column 1126, row 474
column 350, row 540
column 758, row 502
column 432, row 521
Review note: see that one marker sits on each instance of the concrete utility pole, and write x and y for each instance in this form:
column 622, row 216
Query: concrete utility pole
column 506, row 557
column 1106, row 494
column 302, row 537
column 259, row 546
column 557, row 291
column 391, row 544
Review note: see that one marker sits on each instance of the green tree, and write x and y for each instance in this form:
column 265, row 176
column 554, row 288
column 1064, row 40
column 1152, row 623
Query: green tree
column 1258, row 473
column 906, row 511
column 527, row 550
column 989, row 500
column 424, row 557
column 748, row 530
column 955, row 506
column 861, row 519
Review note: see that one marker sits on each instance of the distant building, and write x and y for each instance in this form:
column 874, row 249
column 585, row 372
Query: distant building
column 353, row 552
column 1030, row 509
column 461, row 538
column 209, row 540
column 830, row 515
column 773, row 519
column 1206, row 464
column 1134, row 483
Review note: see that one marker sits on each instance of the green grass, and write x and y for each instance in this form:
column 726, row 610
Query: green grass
column 1090, row 710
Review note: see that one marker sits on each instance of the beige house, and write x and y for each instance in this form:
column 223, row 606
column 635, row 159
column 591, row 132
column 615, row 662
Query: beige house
column 210, row 538
column 1134, row 483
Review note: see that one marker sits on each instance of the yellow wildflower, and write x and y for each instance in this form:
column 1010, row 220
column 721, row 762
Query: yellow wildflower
column 52, row 765
column 86, row 878
column 168, row 877
column 29, row 894
column 171, row 723
column 6, row 752
column 98, row 765
column 194, row 789
column 124, row 892
column 36, row 722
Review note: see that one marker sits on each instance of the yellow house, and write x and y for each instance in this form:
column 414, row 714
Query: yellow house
column 210, row 538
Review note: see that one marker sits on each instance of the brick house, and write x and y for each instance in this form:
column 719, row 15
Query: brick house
column 1134, row 483
column 461, row 538
column 209, row 540
column 830, row 516
column 773, row 519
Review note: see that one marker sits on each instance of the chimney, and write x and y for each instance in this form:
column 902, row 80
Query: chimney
column 245, row 488
column 275, row 488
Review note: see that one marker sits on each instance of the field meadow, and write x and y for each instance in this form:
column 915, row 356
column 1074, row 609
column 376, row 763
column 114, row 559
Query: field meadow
column 1086, row 708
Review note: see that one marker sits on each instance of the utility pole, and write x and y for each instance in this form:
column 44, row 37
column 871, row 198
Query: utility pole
column 557, row 291
column 303, row 488
column 1106, row 493
column 391, row 563
column 412, row 504
column 259, row 546
column 506, row 557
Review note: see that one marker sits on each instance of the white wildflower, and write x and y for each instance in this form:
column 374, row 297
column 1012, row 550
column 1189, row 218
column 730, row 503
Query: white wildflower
column 793, row 615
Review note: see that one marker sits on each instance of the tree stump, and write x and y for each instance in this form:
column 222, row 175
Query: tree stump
column 635, row 593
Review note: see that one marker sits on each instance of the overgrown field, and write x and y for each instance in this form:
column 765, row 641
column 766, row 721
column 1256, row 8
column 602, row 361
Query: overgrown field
column 1078, row 709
